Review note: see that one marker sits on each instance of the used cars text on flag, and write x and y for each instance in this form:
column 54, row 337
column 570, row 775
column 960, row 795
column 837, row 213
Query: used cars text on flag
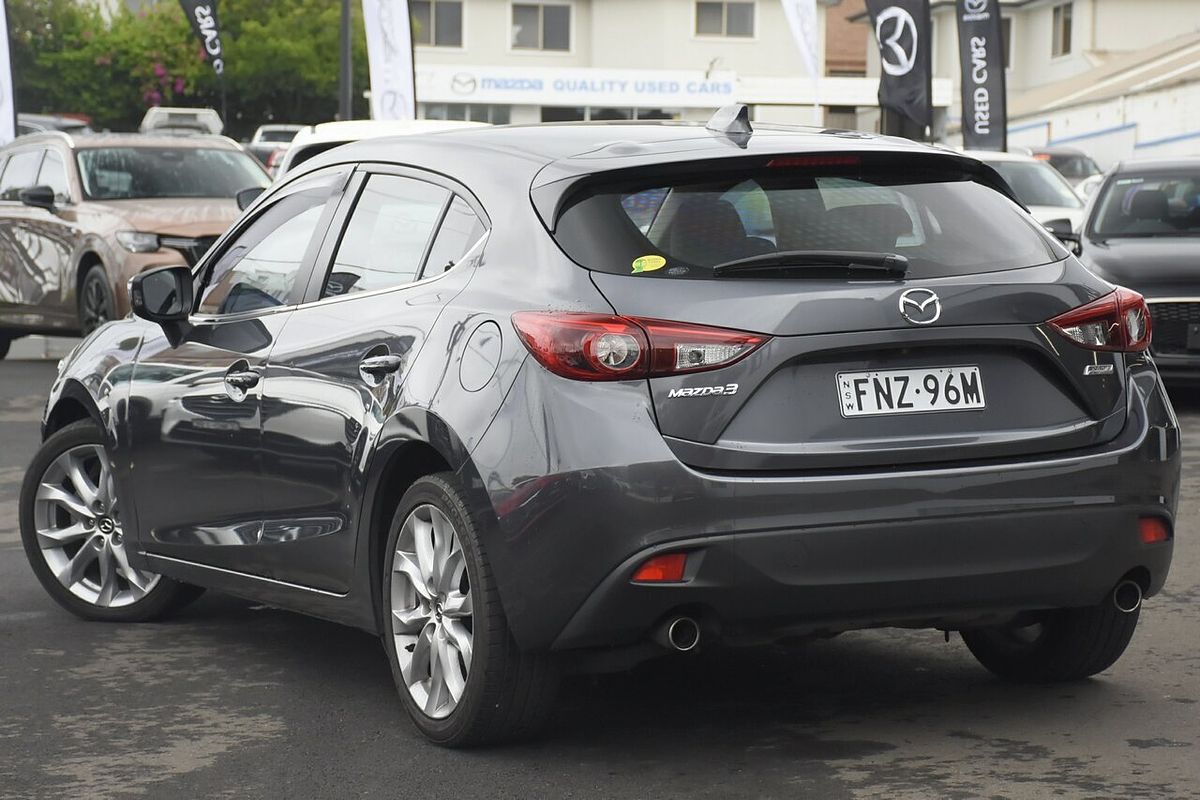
column 981, row 49
column 902, row 32
column 390, row 57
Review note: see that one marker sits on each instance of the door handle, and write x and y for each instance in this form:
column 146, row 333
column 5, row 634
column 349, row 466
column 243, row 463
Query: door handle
column 378, row 366
column 242, row 380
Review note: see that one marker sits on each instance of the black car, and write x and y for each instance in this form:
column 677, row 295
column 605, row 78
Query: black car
column 1143, row 231
column 571, row 396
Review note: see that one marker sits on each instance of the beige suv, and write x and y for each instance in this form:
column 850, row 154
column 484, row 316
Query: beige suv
column 80, row 215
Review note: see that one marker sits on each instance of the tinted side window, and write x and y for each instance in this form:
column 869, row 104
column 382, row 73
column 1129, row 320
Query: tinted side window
column 20, row 173
column 460, row 229
column 259, row 268
column 54, row 174
column 387, row 234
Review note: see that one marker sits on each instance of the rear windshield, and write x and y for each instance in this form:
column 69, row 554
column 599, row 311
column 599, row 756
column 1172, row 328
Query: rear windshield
column 681, row 229
column 125, row 173
column 1156, row 204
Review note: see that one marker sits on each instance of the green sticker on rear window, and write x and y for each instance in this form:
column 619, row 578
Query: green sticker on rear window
column 648, row 263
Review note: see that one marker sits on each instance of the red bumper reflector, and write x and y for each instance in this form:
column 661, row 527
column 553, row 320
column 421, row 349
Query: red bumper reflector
column 1153, row 530
column 667, row 568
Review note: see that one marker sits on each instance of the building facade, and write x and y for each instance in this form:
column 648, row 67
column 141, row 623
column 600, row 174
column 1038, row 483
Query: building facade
column 555, row 60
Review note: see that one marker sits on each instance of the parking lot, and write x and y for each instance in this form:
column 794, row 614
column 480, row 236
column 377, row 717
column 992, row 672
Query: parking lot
column 237, row 700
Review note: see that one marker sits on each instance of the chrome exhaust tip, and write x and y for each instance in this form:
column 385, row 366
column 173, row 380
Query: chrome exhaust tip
column 1127, row 597
column 680, row 634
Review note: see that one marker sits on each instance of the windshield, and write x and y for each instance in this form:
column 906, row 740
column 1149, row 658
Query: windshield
column 668, row 229
column 1037, row 184
column 126, row 173
column 1149, row 205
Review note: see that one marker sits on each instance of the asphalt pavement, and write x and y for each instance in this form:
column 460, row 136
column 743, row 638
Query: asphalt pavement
column 234, row 700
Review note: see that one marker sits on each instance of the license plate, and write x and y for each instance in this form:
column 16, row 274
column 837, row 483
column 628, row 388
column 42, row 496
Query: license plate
column 909, row 391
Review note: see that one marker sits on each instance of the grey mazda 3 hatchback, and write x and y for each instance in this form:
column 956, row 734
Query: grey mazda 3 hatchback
column 567, row 397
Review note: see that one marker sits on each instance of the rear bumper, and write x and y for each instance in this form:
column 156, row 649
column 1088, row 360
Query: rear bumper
column 802, row 553
column 947, row 573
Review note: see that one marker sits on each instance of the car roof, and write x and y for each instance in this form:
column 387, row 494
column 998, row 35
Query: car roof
column 609, row 144
column 1171, row 164
column 495, row 160
column 87, row 141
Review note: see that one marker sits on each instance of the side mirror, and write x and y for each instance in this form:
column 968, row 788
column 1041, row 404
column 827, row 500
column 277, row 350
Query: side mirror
column 163, row 295
column 1061, row 229
column 247, row 196
column 38, row 197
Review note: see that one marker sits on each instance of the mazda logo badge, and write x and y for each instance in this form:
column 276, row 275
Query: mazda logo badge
column 106, row 525
column 920, row 306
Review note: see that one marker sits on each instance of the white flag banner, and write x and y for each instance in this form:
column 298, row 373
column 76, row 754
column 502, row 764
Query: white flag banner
column 389, row 52
column 802, row 19
column 8, row 111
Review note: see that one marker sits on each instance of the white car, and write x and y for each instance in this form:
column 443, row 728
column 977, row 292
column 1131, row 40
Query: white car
column 176, row 121
column 316, row 139
column 1045, row 192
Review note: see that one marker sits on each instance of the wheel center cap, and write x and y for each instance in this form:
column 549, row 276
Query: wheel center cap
column 437, row 608
column 106, row 525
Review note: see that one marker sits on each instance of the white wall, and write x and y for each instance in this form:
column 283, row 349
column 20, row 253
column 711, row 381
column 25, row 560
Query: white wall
column 630, row 34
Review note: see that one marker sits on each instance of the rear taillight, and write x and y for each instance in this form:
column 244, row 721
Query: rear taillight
column 1120, row 320
column 604, row 347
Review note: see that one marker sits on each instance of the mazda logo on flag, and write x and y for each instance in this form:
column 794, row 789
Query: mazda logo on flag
column 897, row 34
column 902, row 35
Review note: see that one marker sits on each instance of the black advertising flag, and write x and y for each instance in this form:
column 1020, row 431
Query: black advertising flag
column 902, row 32
column 981, row 48
column 203, row 16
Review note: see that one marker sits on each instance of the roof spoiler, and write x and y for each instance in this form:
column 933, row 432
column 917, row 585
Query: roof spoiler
column 732, row 121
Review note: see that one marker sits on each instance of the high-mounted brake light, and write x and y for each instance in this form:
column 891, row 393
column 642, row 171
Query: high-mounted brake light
column 603, row 347
column 1120, row 321
column 831, row 160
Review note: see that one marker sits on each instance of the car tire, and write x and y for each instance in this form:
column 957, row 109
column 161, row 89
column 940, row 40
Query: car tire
column 96, row 302
column 1064, row 645
column 503, row 692
column 70, row 527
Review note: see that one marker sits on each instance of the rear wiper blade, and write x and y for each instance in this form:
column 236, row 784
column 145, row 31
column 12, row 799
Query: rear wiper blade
column 812, row 263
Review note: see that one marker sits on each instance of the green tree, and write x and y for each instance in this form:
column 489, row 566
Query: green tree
column 281, row 61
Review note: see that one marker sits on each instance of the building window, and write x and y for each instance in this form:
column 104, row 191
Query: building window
column 588, row 114
column 541, row 26
column 496, row 115
column 1006, row 39
column 725, row 19
column 1061, row 30
column 437, row 24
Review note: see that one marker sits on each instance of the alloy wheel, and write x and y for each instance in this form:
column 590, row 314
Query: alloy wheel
column 78, row 523
column 432, row 615
column 94, row 306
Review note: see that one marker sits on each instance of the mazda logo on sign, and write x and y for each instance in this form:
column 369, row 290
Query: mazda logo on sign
column 975, row 6
column 897, row 53
column 920, row 306
column 463, row 83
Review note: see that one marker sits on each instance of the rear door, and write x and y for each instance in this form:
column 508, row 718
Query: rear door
column 948, row 361
column 339, row 370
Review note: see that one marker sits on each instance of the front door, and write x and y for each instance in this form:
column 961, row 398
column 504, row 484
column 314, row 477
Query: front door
column 338, row 371
column 195, row 404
